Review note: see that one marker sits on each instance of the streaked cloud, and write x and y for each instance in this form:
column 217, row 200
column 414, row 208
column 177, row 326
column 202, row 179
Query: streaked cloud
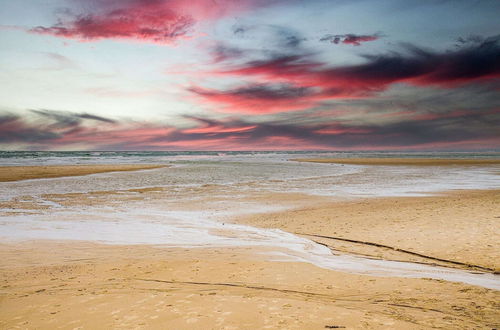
column 259, row 98
column 61, row 130
column 350, row 38
column 301, row 73
column 413, row 66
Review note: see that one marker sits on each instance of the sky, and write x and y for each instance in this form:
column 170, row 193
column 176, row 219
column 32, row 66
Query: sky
column 249, row 75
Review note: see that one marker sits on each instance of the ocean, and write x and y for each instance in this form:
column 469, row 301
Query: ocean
column 245, row 172
column 124, row 157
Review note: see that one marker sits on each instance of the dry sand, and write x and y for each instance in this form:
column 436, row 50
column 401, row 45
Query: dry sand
column 461, row 226
column 68, row 285
column 82, row 285
column 16, row 173
column 401, row 161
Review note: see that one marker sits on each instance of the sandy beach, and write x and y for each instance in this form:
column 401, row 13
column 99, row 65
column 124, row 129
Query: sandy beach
column 78, row 284
column 459, row 226
column 16, row 173
column 47, row 285
column 401, row 161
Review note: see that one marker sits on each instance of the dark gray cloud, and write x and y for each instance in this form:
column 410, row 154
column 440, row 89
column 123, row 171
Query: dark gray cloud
column 94, row 117
column 67, row 119
column 15, row 129
column 259, row 98
column 221, row 52
column 473, row 97
column 414, row 66
column 43, row 126
column 468, row 40
column 259, row 91
column 426, row 67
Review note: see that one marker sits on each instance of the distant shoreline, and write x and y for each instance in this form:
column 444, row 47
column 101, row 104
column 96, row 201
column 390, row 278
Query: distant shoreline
column 400, row 161
column 17, row 173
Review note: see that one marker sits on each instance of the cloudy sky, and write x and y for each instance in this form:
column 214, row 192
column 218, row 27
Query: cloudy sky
column 249, row 75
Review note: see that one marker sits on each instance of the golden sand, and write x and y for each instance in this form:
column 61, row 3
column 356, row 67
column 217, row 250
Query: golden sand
column 15, row 173
column 72, row 285
column 461, row 226
column 47, row 285
column 401, row 161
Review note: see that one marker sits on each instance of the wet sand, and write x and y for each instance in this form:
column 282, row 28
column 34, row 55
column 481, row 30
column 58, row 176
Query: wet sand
column 72, row 284
column 401, row 161
column 16, row 173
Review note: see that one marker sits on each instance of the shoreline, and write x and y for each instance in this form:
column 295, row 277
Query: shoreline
column 83, row 284
column 18, row 173
column 400, row 161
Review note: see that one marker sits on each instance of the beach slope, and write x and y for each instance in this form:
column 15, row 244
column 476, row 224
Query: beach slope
column 16, row 173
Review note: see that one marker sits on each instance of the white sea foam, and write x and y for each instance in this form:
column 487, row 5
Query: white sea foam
column 196, row 230
column 273, row 174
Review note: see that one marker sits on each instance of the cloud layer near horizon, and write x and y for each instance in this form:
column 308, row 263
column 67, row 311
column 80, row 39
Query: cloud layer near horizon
column 46, row 129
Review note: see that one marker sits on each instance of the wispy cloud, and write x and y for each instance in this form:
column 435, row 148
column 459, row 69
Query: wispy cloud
column 277, row 35
column 69, row 119
column 350, row 38
column 259, row 98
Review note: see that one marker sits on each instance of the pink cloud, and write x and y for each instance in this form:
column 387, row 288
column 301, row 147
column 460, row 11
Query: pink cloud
column 352, row 39
column 258, row 98
column 159, row 21
column 213, row 129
